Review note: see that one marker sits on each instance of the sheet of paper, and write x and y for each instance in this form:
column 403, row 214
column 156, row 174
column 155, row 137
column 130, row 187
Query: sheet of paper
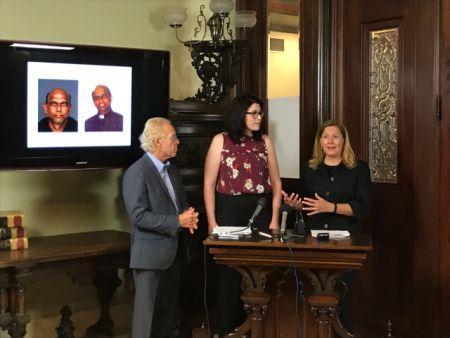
column 332, row 233
column 232, row 231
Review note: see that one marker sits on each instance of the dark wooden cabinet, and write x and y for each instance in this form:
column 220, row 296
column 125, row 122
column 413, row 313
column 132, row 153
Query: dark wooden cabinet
column 195, row 124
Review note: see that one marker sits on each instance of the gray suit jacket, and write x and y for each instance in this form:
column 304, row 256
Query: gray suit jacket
column 153, row 216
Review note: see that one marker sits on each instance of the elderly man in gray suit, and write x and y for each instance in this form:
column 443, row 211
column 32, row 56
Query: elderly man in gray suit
column 156, row 204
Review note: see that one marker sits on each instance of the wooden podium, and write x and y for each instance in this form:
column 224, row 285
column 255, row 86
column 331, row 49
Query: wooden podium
column 264, row 266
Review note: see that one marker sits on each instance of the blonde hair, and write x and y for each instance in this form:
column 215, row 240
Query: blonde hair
column 348, row 155
column 153, row 130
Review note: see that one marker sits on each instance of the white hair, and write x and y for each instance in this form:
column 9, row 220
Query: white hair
column 153, row 130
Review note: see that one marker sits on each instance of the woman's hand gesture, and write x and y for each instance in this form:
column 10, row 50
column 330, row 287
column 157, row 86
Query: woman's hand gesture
column 293, row 200
column 317, row 205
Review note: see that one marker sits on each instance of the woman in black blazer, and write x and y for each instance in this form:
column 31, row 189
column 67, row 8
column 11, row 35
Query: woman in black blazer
column 335, row 191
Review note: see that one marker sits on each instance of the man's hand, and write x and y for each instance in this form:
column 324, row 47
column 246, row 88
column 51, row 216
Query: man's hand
column 189, row 219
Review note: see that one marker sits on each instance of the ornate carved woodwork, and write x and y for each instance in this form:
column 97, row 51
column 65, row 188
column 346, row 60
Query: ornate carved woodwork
column 195, row 124
column 383, row 105
column 106, row 250
column 218, row 65
column 320, row 263
column 106, row 281
column 65, row 328
column 5, row 310
column 255, row 298
column 20, row 277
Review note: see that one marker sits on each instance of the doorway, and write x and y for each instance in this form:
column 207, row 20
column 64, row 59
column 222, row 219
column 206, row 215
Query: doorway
column 283, row 83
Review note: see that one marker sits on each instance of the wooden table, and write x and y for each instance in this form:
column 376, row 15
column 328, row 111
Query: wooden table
column 105, row 250
column 321, row 262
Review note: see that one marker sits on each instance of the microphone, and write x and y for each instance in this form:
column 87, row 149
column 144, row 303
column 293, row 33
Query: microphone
column 261, row 204
column 284, row 210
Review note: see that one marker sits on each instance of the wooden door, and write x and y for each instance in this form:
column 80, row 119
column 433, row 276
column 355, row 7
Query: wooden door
column 384, row 90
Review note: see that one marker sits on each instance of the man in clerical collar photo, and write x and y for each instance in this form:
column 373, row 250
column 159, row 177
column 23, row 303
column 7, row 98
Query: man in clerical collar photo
column 105, row 119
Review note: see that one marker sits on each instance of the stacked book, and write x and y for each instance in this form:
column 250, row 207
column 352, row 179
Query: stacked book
column 12, row 231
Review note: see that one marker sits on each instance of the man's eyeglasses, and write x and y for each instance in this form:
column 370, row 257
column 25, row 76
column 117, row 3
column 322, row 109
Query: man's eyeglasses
column 61, row 104
column 255, row 114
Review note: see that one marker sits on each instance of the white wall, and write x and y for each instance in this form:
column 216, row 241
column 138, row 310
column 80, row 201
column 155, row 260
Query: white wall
column 76, row 201
column 118, row 23
column 284, row 67
column 283, row 130
column 283, row 88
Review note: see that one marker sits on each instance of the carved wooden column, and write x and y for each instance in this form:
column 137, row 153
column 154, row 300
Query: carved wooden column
column 65, row 328
column 324, row 302
column 20, row 319
column 5, row 314
column 107, row 281
column 255, row 298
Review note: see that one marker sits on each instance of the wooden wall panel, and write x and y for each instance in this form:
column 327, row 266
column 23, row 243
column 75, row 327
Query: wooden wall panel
column 401, row 278
column 257, row 61
column 426, row 178
column 444, row 177
column 388, row 290
column 308, row 77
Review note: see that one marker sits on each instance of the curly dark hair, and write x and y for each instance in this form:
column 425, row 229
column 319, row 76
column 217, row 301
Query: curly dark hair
column 235, row 125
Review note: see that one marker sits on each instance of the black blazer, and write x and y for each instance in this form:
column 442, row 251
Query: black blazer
column 342, row 185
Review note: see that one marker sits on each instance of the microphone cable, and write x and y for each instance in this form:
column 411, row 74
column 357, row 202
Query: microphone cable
column 239, row 230
column 297, row 291
column 204, row 291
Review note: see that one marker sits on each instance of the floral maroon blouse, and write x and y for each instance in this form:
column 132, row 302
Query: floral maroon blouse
column 243, row 167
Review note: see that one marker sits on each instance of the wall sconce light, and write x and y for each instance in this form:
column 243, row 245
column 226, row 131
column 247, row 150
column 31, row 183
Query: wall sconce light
column 216, row 61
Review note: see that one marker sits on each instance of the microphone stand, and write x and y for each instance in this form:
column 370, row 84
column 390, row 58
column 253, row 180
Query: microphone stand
column 252, row 226
column 257, row 233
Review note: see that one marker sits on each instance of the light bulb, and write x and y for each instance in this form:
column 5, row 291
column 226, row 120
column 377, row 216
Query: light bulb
column 221, row 6
column 245, row 19
column 176, row 16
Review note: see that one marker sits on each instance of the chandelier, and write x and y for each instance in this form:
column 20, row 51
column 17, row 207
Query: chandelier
column 217, row 60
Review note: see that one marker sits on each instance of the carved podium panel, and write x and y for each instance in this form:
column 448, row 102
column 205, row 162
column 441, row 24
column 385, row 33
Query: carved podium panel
column 264, row 266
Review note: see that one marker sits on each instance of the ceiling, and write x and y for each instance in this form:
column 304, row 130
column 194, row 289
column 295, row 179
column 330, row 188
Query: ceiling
column 283, row 16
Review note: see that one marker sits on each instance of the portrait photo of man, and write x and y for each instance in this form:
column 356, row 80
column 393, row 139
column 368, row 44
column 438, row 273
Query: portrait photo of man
column 57, row 108
column 105, row 119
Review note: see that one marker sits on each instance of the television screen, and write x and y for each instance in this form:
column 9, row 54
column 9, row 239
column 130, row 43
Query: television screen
column 82, row 107
column 78, row 81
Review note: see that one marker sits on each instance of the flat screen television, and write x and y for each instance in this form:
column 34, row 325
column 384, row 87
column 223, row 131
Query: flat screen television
column 99, row 97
